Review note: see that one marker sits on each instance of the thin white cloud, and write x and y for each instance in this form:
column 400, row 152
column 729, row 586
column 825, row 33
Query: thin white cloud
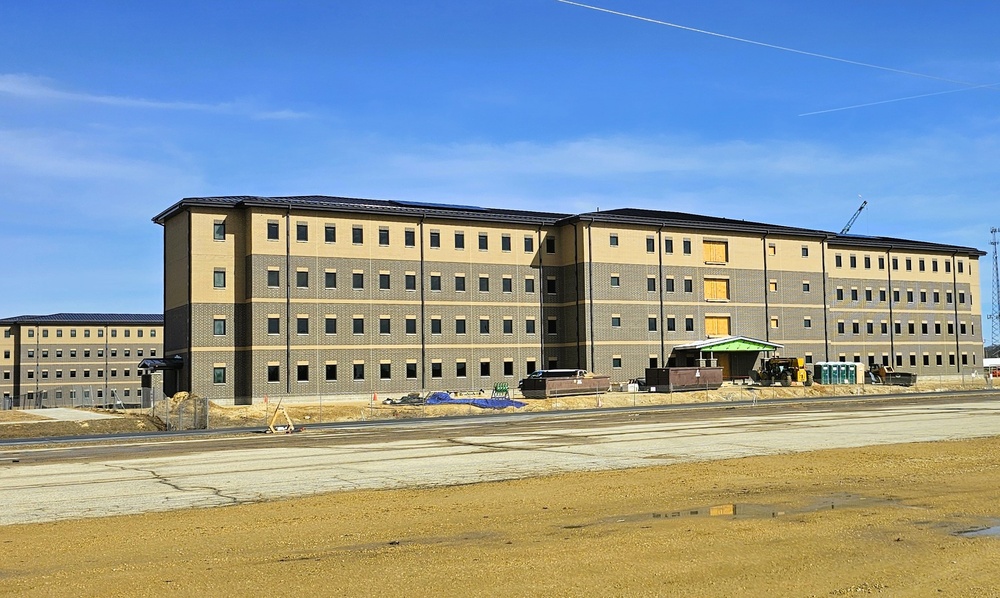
column 31, row 87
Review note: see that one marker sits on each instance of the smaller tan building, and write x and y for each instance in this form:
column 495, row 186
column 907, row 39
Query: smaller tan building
column 76, row 360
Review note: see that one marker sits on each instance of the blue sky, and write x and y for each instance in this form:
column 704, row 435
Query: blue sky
column 112, row 111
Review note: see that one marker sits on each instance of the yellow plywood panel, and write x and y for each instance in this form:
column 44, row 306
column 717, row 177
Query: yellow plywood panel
column 717, row 326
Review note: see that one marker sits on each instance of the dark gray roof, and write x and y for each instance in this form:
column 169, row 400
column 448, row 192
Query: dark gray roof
column 638, row 216
column 74, row 318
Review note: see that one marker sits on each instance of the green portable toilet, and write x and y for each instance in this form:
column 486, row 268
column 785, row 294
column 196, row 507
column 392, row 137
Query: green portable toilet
column 835, row 373
column 852, row 373
column 823, row 372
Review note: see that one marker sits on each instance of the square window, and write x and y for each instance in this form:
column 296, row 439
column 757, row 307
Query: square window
column 330, row 233
column 616, row 363
column 615, row 281
column 302, row 232
column 616, row 321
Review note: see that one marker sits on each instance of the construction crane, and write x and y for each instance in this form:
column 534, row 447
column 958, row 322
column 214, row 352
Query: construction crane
column 850, row 222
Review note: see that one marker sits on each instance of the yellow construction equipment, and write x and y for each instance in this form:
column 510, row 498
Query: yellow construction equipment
column 782, row 370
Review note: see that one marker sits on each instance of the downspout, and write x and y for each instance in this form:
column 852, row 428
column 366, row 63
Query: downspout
column 767, row 290
column 954, row 297
column 540, row 288
column 590, row 290
column 659, row 283
column 826, row 303
column 288, row 299
column 423, row 310
column 576, row 291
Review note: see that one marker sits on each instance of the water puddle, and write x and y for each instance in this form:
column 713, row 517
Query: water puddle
column 986, row 531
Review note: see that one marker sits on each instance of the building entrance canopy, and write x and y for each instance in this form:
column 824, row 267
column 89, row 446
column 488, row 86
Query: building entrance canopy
column 736, row 355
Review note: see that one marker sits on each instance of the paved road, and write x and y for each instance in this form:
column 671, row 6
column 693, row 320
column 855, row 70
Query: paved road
column 94, row 480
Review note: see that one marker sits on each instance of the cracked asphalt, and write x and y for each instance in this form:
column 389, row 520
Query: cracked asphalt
column 167, row 473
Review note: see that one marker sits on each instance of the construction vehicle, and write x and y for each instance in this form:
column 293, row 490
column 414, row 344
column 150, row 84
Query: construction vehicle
column 884, row 374
column 782, row 370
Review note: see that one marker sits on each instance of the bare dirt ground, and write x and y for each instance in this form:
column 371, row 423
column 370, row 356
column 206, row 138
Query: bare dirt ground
column 873, row 521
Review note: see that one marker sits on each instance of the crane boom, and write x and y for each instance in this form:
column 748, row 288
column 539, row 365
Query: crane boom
column 850, row 222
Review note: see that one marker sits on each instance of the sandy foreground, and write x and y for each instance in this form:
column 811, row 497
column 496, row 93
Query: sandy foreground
column 882, row 520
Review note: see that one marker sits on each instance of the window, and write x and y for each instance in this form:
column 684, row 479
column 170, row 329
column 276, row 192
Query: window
column 920, row 265
column 650, row 245
column 689, row 324
column 840, row 328
column 529, row 244
column 435, row 369
column 651, row 323
column 686, row 246
column 330, row 279
column 616, row 362
column 384, row 327
column 869, row 328
column 550, row 285
column 613, row 239
column 805, row 286
column 909, row 264
column 273, row 325
column 937, row 327
column 668, row 245
column 383, row 281
column 616, row 321
column 508, row 326
column 529, row 326
column 716, row 252
column 923, row 328
column 615, row 281
column 436, row 325
column 302, row 279
column 484, row 368
column 855, row 328
column 272, row 230
column 331, row 325
column 716, row 289
column 411, row 371
column 385, row 371
column 358, row 281
column 772, row 286
column 459, row 240
column 505, row 243
column 854, row 261
column 409, row 238
column 460, row 325
column 923, row 296
column 219, row 326
column 529, row 285
column 411, row 325
column 273, row 278
column 219, row 230
column 273, row 373
column 668, row 285
column 484, row 283
column 219, row 375
column 868, row 262
column 460, row 283
column 484, row 326
column 302, row 325
column 807, row 322
column 507, row 284
column 359, row 371
column 358, row 325
column 435, row 239
column 716, row 325
column 774, row 321
column 552, row 326
column 383, row 236
column 937, row 296
column 331, row 372
column 947, row 266
column 838, row 261
column 302, row 232
column 484, row 242
column 688, row 285
column 854, row 294
column 357, row 235
column 550, row 244
column 881, row 263
column 410, row 281
column 909, row 296
column 219, row 279
column 330, row 233
column 651, row 284
column 435, row 282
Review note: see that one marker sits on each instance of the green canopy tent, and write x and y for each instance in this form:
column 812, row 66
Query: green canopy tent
column 736, row 355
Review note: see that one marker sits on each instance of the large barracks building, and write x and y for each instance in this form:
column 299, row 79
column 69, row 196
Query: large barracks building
column 300, row 296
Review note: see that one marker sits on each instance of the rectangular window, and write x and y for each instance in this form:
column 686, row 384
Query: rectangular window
column 807, row 322
column 716, row 252
column 385, row 371
column 459, row 325
column 668, row 285
column 651, row 323
column 909, row 264
column 805, row 286
column 507, row 285
column 330, row 279
column 357, row 235
column 689, row 324
column 651, row 284
column 272, row 230
column 717, row 325
column 613, row 239
column 947, row 266
column 550, row 285
column 435, row 284
column 331, row 372
column 508, row 326
column 273, row 325
column 484, row 283
column 273, row 278
column 219, row 375
column 219, row 327
column 331, row 325
column 358, row 281
column 358, row 325
column 219, row 230
column 384, row 327
column 668, row 245
column 688, row 285
column 411, row 371
column 359, row 371
column 616, row 321
column 460, row 283
column 920, row 265
column 484, row 368
column 435, row 239
column 383, row 236
column 410, row 281
column 302, row 232
column 484, row 242
column 868, row 262
column 330, row 233
column 383, row 281
column 529, row 244
column 436, row 325
column 505, row 243
column 716, row 289
column 411, row 325
column 218, row 280
column 838, row 260
column 529, row 326
column 484, row 326
column 552, row 326
column 302, row 279
column 529, row 285
column 302, row 325
column 409, row 238
column 686, row 246
column 459, row 240
column 550, row 244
